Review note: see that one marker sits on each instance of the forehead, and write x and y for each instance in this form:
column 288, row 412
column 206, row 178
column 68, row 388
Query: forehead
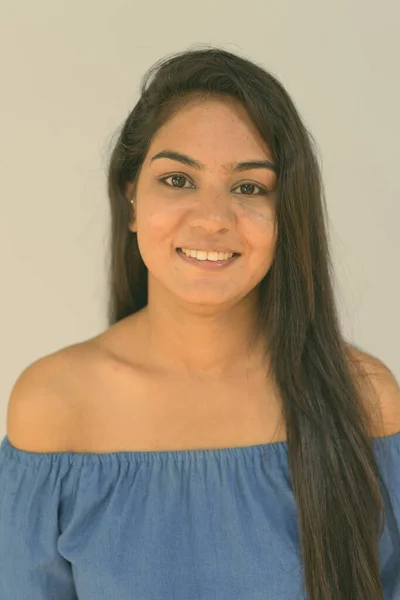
column 216, row 131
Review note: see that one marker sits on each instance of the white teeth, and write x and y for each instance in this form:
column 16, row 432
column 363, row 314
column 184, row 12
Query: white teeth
column 203, row 255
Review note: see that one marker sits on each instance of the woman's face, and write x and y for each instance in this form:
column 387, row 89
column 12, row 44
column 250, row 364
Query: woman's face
column 208, row 208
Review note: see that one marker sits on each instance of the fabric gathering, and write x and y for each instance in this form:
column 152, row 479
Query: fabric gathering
column 187, row 524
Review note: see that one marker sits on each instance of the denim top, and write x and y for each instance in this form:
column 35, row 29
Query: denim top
column 216, row 524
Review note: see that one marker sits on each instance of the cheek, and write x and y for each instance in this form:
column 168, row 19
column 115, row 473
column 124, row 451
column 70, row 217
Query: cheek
column 259, row 216
column 261, row 227
column 159, row 217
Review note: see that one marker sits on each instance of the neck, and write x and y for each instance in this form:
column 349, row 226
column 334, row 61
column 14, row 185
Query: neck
column 203, row 344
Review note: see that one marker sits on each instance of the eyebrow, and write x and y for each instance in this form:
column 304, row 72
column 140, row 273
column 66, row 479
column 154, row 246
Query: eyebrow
column 191, row 162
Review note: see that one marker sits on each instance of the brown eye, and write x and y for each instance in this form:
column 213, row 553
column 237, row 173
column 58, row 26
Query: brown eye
column 175, row 178
column 250, row 187
column 178, row 182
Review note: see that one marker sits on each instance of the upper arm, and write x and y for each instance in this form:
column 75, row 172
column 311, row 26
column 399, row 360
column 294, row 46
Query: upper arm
column 386, row 391
column 38, row 414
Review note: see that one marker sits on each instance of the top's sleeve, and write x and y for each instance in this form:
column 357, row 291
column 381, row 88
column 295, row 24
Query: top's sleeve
column 34, row 490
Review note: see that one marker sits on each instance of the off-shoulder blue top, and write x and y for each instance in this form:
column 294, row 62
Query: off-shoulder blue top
column 216, row 524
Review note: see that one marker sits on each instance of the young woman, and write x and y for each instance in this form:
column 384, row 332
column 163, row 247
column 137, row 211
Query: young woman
column 220, row 439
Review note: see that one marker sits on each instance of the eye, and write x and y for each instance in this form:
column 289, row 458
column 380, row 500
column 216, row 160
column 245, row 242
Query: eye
column 263, row 191
column 177, row 176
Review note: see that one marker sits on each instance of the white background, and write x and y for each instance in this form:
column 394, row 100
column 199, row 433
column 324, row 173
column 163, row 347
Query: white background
column 70, row 74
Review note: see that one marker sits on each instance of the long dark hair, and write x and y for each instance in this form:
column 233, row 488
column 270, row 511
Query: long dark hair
column 333, row 468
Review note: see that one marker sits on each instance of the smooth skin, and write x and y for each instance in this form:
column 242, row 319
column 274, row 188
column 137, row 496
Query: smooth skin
column 199, row 321
column 180, row 373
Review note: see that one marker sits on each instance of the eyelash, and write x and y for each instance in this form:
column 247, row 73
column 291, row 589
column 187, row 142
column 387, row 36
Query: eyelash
column 263, row 190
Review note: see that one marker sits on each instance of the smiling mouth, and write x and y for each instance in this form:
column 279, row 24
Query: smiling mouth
column 206, row 262
column 206, row 252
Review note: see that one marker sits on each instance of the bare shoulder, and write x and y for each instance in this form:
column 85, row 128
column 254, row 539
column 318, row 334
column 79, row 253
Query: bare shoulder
column 42, row 412
column 379, row 378
column 60, row 395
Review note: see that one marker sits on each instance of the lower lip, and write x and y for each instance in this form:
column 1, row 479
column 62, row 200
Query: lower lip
column 208, row 264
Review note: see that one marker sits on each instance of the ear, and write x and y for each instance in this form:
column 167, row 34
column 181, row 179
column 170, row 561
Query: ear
column 132, row 221
column 131, row 199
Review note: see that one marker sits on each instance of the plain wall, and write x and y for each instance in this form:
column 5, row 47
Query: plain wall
column 70, row 74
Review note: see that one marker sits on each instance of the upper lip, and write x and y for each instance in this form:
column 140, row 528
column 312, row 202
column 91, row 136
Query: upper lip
column 201, row 248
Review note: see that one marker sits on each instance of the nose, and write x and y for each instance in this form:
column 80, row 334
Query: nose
column 213, row 212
